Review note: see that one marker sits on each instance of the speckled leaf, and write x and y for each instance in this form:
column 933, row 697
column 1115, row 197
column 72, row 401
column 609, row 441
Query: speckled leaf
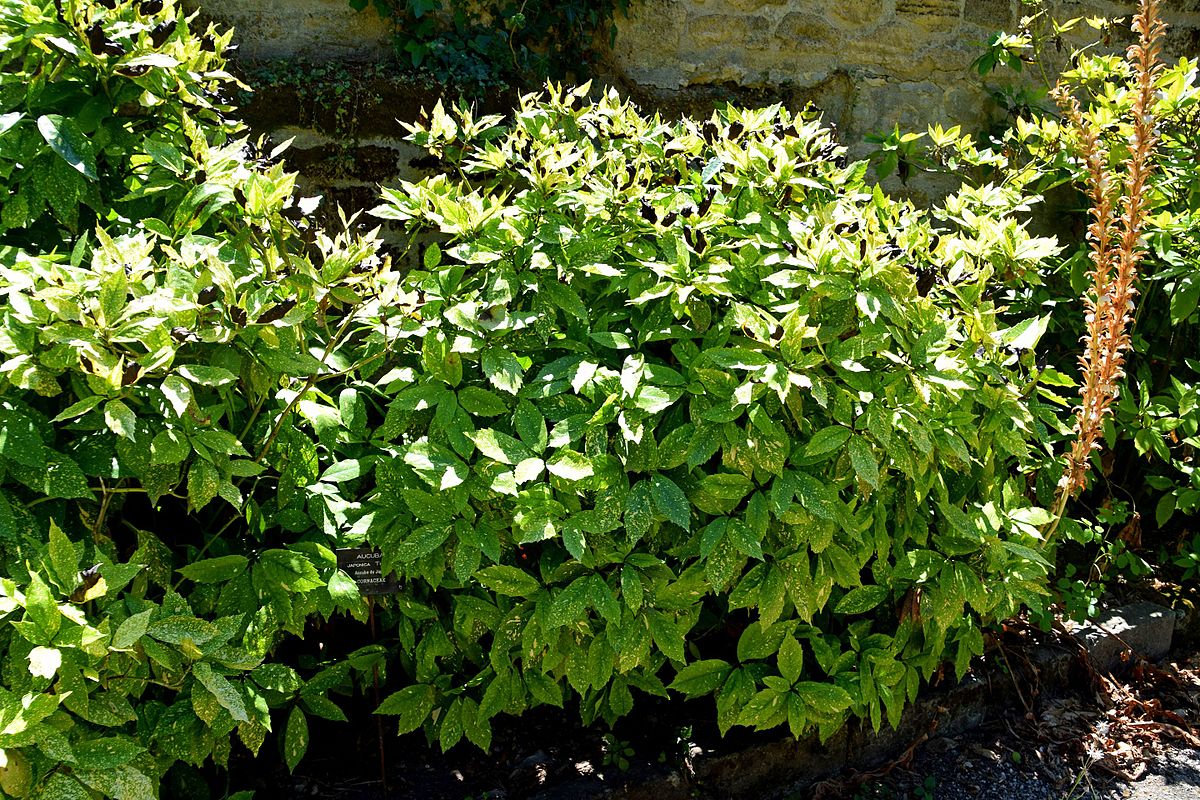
column 63, row 557
column 225, row 692
column 65, row 138
column 65, row 479
column 132, row 629
column 252, row 735
column 173, row 630
column 671, row 501
column 107, row 753
column 60, row 786
column 19, row 439
column 122, row 782
column 295, row 740
column 412, row 704
column 203, row 484
column 503, row 370
column 865, row 465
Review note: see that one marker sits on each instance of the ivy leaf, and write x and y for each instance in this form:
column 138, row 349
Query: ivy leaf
column 671, row 502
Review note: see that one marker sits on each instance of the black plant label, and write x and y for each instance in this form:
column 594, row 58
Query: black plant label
column 364, row 565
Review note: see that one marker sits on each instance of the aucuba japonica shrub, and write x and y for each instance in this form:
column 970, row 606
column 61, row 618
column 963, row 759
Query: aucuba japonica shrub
column 668, row 375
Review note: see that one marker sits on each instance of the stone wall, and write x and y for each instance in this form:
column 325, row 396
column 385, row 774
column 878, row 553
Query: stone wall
column 868, row 64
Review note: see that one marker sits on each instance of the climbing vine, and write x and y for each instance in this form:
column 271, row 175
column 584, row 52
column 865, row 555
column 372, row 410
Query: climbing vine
column 479, row 44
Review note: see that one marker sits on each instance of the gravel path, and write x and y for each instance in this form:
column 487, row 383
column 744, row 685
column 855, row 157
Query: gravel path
column 974, row 771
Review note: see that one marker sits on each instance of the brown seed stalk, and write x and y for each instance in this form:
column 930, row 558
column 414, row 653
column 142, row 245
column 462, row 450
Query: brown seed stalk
column 1116, row 248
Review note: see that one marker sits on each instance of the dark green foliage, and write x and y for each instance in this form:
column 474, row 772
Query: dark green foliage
column 479, row 45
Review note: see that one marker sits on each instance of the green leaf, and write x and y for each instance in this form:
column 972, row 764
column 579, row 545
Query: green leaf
column 215, row 570
column 499, row 446
column 503, row 370
column 178, row 393
column 41, row 608
column 19, row 439
column 204, row 482
column 412, row 704
column 109, row 752
column 225, row 692
column 1026, row 334
column 570, row 466
column 480, row 402
column 666, row 636
column 295, row 740
column 177, row 629
column 60, row 786
column 132, row 629
column 861, row 600
column 827, row 440
column 508, row 581
column 124, row 782
column 65, row 138
column 531, row 427
column 761, row 641
column 790, row 659
column 863, row 460
column 207, row 376
column 64, row 557
column 701, row 677
column 823, row 699
column 436, row 465
column 671, row 502
column 169, row 447
column 75, row 409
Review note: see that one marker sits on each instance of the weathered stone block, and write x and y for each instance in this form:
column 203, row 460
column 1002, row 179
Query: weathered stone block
column 734, row 31
column 1145, row 628
column 998, row 14
column 805, row 27
column 859, row 12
